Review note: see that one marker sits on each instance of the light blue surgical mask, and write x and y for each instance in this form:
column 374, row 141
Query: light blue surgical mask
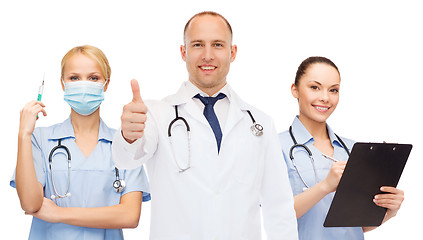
column 84, row 96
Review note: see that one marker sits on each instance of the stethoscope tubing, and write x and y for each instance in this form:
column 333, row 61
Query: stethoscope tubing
column 256, row 129
column 296, row 145
column 118, row 185
column 50, row 160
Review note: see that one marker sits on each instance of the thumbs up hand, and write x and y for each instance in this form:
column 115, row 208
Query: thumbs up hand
column 134, row 115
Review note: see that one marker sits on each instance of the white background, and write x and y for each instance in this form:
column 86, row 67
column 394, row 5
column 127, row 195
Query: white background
column 377, row 46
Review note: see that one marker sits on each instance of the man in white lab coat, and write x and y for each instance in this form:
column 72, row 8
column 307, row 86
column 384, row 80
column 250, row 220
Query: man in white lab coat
column 210, row 171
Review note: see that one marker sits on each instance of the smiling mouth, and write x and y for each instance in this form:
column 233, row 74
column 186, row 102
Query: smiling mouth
column 321, row 108
column 207, row 68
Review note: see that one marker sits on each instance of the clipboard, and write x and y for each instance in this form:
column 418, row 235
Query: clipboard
column 369, row 167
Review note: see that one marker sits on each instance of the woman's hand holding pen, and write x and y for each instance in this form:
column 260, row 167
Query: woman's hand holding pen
column 335, row 173
column 28, row 117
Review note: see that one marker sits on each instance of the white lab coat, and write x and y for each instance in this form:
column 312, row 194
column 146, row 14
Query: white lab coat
column 219, row 197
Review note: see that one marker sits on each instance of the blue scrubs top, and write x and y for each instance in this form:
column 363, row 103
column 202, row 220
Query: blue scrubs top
column 310, row 225
column 91, row 180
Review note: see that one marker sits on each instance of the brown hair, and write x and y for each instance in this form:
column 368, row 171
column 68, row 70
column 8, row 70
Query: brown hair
column 93, row 53
column 207, row 13
column 310, row 61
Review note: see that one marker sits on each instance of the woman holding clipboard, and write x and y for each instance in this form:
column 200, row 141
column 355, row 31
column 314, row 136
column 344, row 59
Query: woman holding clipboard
column 311, row 151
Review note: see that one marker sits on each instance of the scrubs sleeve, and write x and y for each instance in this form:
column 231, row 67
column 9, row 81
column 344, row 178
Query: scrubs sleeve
column 38, row 158
column 136, row 180
column 277, row 200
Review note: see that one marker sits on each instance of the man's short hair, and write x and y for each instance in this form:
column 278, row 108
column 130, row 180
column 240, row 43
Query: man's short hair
column 207, row 13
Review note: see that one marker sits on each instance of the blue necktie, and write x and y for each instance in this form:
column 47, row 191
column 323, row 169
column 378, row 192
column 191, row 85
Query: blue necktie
column 211, row 115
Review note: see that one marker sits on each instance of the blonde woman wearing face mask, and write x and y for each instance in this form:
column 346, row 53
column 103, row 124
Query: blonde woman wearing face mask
column 314, row 179
column 65, row 176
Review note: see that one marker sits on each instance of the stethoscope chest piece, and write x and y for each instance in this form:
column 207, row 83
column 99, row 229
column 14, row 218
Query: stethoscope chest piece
column 119, row 184
column 257, row 129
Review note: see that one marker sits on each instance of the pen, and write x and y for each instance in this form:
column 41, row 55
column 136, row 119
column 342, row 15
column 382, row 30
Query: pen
column 330, row 158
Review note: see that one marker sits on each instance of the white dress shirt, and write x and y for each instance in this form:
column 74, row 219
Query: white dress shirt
column 224, row 194
column 221, row 107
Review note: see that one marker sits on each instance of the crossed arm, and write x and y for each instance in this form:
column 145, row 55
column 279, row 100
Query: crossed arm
column 126, row 214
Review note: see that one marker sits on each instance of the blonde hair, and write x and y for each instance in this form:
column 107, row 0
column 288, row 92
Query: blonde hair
column 93, row 53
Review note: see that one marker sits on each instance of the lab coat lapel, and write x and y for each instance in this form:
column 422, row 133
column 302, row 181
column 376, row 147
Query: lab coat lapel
column 192, row 109
column 187, row 106
column 235, row 113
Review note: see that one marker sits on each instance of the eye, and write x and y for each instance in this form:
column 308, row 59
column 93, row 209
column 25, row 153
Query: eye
column 74, row 78
column 314, row 87
column 218, row 45
column 334, row 90
column 94, row 78
column 196, row 45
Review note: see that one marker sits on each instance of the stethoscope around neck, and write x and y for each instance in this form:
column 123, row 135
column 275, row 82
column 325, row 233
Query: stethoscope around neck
column 118, row 185
column 256, row 129
column 310, row 154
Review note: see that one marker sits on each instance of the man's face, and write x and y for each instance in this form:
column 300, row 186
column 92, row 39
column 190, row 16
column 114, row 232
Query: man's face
column 208, row 52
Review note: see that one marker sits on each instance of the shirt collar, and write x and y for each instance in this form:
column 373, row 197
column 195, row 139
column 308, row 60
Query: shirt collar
column 188, row 90
column 303, row 136
column 332, row 135
column 65, row 130
column 193, row 90
column 300, row 132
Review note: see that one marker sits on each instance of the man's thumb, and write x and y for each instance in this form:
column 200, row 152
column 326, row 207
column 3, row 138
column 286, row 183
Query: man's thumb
column 135, row 91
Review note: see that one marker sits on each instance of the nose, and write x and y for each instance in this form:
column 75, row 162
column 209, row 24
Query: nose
column 208, row 54
column 324, row 96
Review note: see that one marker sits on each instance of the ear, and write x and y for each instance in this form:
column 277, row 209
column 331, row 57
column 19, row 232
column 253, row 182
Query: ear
column 107, row 84
column 294, row 91
column 63, row 86
column 183, row 52
column 234, row 50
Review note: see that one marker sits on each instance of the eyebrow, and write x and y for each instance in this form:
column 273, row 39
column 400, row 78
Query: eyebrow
column 88, row 73
column 213, row 41
column 318, row 83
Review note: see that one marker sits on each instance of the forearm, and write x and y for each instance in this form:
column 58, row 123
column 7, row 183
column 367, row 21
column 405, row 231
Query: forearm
column 303, row 202
column 30, row 191
column 123, row 215
column 368, row 229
